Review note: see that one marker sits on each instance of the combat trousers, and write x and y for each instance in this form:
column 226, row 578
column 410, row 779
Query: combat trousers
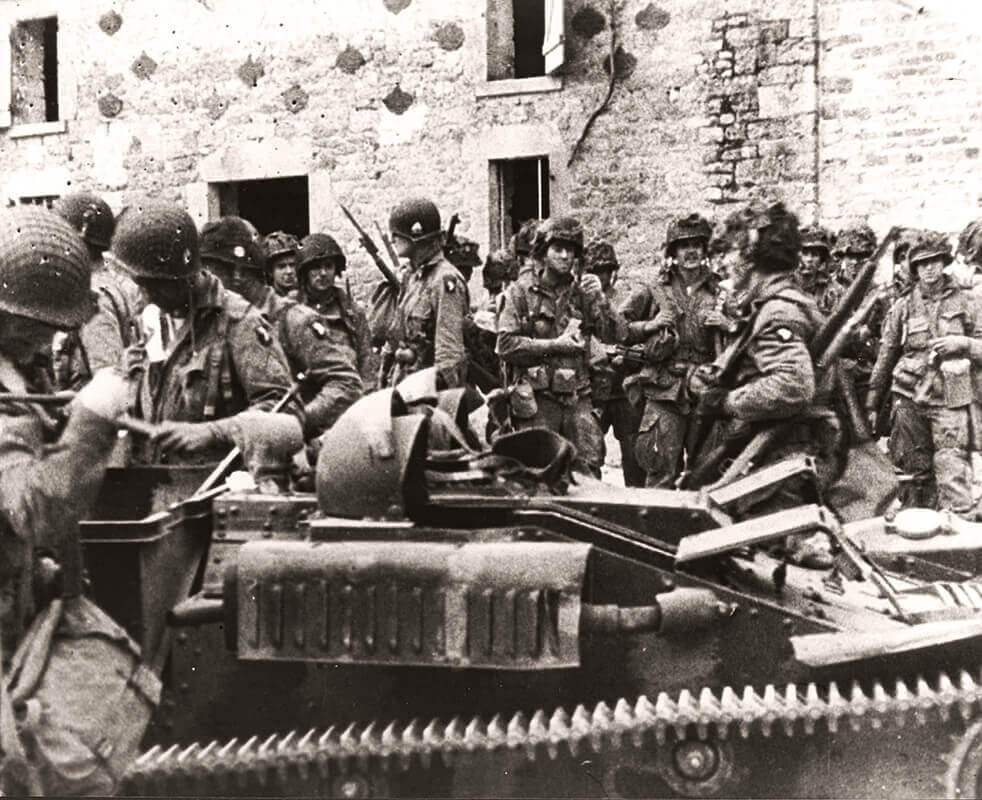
column 573, row 418
column 659, row 443
column 621, row 414
column 931, row 443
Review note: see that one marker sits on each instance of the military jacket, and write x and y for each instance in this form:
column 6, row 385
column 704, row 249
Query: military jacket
column 532, row 312
column 223, row 360
column 429, row 319
column 347, row 326
column 693, row 310
column 912, row 323
column 47, row 484
column 775, row 374
column 311, row 347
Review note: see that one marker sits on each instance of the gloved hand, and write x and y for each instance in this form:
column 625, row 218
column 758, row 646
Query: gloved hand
column 107, row 395
column 186, row 437
column 591, row 287
column 951, row 346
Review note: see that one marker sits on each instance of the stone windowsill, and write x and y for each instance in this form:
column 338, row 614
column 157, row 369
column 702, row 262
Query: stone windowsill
column 36, row 129
column 509, row 86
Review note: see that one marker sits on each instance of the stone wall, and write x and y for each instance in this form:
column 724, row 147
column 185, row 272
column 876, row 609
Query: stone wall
column 375, row 99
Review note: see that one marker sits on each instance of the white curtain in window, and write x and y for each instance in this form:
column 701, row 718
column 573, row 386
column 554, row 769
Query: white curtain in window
column 553, row 44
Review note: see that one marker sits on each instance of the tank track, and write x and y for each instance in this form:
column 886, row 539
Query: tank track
column 280, row 761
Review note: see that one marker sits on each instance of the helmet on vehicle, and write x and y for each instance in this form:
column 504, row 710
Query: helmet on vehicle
column 90, row 215
column 230, row 241
column 856, row 240
column 817, row 237
column 557, row 229
column 156, row 240
column 599, row 256
column 44, row 268
column 416, row 219
column 279, row 243
column 521, row 242
column 970, row 243
column 319, row 247
column 692, row 227
column 928, row 245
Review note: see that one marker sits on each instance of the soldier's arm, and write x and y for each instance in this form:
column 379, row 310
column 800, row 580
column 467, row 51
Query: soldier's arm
column 637, row 310
column 102, row 336
column 363, row 339
column 259, row 364
column 608, row 324
column 785, row 384
column 449, row 353
column 331, row 377
column 891, row 347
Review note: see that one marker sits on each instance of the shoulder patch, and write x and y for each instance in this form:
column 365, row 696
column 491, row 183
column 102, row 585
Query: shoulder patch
column 319, row 329
column 264, row 336
column 450, row 284
column 784, row 334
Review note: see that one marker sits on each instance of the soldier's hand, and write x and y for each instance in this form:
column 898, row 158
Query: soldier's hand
column 185, row 437
column 663, row 319
column 951, row 346
column 591, row 287
column 107, row 395
column 569, row 341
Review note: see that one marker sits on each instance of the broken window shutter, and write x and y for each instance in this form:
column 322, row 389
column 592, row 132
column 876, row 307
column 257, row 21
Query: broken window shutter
column 553, row 45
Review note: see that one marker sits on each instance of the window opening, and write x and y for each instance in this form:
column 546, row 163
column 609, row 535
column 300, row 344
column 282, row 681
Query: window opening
column 274, row 204
column 34, row 66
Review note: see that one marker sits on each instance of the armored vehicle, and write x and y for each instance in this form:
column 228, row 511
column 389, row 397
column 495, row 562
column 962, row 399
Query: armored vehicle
column 441, row 620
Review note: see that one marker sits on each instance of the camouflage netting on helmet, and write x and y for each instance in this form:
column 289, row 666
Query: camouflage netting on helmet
column 156, row 240
column 462, row 252
column 44, row 268
column 817, row 237
column 766, row 235
column 500, row 265
column 521, row 242
column 279, row 243
column 599, row 255
column 928, row 245
column 557, row 229
column 415, row 219
column 693, row 227
column 856, row 240
column 970, row 243
column 319, row 247
column 904, row 241
column 230, row 241
column 90, row 215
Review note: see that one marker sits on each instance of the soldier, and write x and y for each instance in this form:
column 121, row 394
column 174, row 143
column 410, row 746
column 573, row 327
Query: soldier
column 320, row 261
column 969, row 252
column 521, row 244
column 462, row 253
column 932, row 335
column 853, row 246
column 47, row 481
column 813, row 267
column 544, row 326
column 774, row 379
column 331, row 381
column 677, row 320
column 281, row 262
column 606, row 377
column 500, row 269
column 224, row 358
column 428, row 324
column 102, row 340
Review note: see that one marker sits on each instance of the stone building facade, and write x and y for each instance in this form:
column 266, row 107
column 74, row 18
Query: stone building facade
column 280, row 110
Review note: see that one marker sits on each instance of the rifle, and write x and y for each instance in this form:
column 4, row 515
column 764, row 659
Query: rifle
column 454, row 220
column 626, row 356
column 393, row 256
column 372, row 249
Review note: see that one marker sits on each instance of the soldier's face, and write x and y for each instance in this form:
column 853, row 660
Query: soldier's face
column 849, row 264
column 561, row 257
column 285, row 273
column 172, row 295
column 689, row 253
column 402, row 245
column 22, row 339
column 320, row 277
column 811, row 259
column 239, row 278
column 931, row 270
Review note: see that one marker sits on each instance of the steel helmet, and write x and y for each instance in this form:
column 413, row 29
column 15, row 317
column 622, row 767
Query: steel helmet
column 928, row 245
column 970, row 243
column 416, row 219
column 817, row 237
column 693, row 226
column 230, row 241
column 44, row 268
column 775, row 246
column 599, row 256
column 279, row 243
column 156, row 240
column 90, row 215
column 856, row 240
column 500, row 266
column 462, row 253
column 521, row 242
column 557, row 229
column 319, row 247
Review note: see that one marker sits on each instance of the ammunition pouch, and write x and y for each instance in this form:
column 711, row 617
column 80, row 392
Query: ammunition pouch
column 521, row 401
column 564, row 381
